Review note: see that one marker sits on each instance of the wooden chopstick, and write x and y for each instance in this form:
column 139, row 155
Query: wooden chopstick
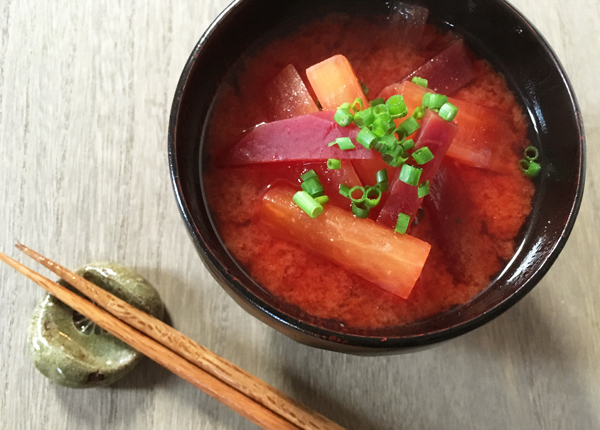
column 246, row 394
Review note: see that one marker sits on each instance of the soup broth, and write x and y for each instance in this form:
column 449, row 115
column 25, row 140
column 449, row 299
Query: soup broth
column 471, row 217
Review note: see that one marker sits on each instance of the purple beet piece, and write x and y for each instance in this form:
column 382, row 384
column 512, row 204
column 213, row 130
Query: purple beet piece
column 303, row 138
column 411, row 18
column 436, row 134
column 448, row 71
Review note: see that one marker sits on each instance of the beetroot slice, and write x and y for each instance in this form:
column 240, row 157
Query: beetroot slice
column 448, row 71
column 437, row 134
column 288, row 96
column 304, row 138
column 411, row 20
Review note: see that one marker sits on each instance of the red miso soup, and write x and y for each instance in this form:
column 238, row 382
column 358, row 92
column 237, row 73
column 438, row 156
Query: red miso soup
column 429, row 233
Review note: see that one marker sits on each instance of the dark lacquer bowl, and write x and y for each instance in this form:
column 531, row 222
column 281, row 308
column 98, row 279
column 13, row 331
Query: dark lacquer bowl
column 497, row 32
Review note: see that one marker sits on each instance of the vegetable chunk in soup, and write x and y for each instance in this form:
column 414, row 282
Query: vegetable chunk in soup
column 442, row 206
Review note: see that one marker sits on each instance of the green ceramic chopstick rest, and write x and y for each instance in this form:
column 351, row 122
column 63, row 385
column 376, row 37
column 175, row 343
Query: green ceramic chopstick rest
column 71, row 350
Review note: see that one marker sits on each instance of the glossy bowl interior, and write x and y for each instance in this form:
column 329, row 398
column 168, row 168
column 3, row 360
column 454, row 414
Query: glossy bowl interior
column 493, row 29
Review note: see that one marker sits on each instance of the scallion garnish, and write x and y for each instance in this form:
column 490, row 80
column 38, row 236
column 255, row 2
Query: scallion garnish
column 344, row 190
column 408, row 126
column 343, row 117
column 418, row 113
column 380, row 127
column 322, row 200
column 376, row 101
column 366, row 138
column 422, row 82
column 448, row 111
column 382, row 176
column 372, row 196
column 334, row 164
column 364, row 118
column 425, row 101
column 382, row 113
column 357, row 105
column 423, row 189
column 397, row 106
column 422, row 155
column 435, row 101
column 410, row 175
column 360, row 211
column 402, row 223
column 530, row 168
column 308, row 175
column 308, row 204
column 359, row 199
column 408, row 144
column 343, row 142
column 313, row 187
column 531, row 153
column 364, row 88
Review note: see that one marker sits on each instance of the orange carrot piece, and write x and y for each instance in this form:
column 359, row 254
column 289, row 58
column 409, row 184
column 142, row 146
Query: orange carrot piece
column 483, row 136
column 334, row 82
column 392, row 261
column 288, row 96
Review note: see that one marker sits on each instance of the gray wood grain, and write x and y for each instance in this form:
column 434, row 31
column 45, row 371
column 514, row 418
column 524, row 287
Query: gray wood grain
column 85, row 93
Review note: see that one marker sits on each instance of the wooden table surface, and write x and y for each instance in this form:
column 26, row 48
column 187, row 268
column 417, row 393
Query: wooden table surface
column 85, row 94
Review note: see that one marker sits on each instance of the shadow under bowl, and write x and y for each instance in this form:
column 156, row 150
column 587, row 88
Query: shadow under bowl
column 492, row 28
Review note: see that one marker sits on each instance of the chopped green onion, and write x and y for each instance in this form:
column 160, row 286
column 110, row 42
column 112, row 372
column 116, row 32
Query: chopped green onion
column 423, row 189
column 410, row 175
column 409, row 126
column 363, row 194
column 343, row 117
column 366, row 138
column 402, row 223
column 376, row 101
column 364, row 118
column 358, row 101
column 334, row 164
column 370, row 200
column 394, row 160
column 345, row 190
column 422, row 155
column 531, row 153
column 382, row 112
column 425, row 102
column 436, row 101
column 308, row 175
column 364, row 87
column 448, row 111
column 418, row 113
column 380, row 127
column 420, row 81
column 308, row 204
column 408, row 144
column 313, row 187
column 397, row 106
column 322, row 200
column 345, row 106
column 382, row 176
column 386, row 143
column 344, row 143
column 530, row 168
column 360, row 211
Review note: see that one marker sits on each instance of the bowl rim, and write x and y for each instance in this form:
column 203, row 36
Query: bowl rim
column 333, row 338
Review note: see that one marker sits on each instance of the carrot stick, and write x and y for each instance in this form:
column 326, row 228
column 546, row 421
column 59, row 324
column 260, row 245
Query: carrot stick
column 334, row 82
column 390, row 260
